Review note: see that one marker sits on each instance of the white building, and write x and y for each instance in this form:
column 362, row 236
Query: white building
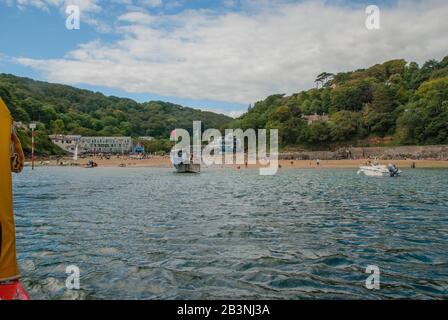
column 316, row 117
column 105, row 145
column 146, row 138
column 114, row 145
column 66, row 142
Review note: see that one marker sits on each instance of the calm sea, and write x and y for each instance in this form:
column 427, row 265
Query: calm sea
column 153, row 234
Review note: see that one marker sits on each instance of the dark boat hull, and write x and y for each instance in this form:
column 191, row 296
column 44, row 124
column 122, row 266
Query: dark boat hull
column 188, row 168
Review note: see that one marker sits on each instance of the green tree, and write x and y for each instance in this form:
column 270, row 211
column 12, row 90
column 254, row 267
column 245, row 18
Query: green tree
column 318, row 133
column 346, row 98
column 346, row 126
column 57, row 126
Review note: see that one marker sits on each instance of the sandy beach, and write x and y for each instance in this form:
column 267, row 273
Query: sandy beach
column 164, row 162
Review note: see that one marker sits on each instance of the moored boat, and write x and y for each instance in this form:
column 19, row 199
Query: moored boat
column 184, row 163
column 91, row 164
column 377, row 170
column 188, row 168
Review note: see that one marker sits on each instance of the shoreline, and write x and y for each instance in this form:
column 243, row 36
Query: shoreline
column 164, row 162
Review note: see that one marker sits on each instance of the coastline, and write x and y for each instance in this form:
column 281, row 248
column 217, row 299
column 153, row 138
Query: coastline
column 164, row 162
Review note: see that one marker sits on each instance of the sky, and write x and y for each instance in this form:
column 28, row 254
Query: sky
column 213, row 55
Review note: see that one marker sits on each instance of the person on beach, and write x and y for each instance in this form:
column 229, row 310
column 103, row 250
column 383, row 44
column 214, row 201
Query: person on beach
column 11, row 160
column 318, row 162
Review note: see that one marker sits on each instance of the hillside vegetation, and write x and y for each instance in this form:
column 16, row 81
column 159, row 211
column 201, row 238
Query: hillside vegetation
column 68, row 110
column 396, row 101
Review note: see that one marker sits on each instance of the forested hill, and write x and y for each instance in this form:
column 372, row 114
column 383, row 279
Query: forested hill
column 64, row 109
column 395, row 102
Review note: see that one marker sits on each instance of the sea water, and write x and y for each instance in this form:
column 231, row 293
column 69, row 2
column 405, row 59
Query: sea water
column 146, row 233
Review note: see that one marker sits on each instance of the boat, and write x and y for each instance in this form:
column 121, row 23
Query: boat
column 188, row 168
column 183, row 163
column 91, row 165
column 11, row 159
column 378, row 170
column 13, row 290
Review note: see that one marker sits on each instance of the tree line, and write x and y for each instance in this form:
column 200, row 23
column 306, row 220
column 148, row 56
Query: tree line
column 395, row 102
column 61, row 109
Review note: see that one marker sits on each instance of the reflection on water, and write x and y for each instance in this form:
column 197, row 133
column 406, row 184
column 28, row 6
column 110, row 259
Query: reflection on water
column 154, row 234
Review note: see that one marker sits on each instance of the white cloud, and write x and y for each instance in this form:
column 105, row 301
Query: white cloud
column 136, row 17
column 229, row 3
column 243, row 57
column 233, row 113
column 87, row 8
column 151, row 3
column 84, row 5
column 230, row 113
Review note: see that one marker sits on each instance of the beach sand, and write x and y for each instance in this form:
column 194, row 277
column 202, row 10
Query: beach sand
column 164, row 162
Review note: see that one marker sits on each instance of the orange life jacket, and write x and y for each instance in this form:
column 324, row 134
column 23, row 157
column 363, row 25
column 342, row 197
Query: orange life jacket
column 9, row 269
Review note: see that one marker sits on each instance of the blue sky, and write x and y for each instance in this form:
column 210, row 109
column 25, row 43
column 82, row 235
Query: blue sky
column 214, row 55
column 35, row 33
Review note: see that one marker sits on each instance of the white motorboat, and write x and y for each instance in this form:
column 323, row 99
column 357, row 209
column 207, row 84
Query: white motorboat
column 377, row 170
column 184, row 163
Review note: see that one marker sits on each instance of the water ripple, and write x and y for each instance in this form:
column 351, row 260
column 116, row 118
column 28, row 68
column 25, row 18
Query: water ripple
column 302, row 234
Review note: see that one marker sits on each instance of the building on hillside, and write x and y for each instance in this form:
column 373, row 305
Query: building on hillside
column 19, row 124
column 113, row 145
column 316, row 117
column 146, row 138
column 66, row 142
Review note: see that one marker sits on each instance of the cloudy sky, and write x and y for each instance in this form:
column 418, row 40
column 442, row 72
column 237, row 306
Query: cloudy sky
column 214, row 55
